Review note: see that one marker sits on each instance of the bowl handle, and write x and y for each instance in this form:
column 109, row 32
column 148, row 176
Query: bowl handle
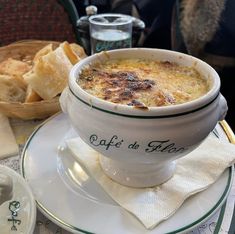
column 64, row 99
column 223, row 107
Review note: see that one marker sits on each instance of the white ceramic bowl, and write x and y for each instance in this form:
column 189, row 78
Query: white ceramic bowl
column 140, row 147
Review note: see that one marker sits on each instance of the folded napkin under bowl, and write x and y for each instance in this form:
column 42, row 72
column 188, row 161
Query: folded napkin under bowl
column 194, row 173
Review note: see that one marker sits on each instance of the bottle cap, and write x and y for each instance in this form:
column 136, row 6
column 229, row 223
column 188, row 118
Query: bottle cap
column 91, row 10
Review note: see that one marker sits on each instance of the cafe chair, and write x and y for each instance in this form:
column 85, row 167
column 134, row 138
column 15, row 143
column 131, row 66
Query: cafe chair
column 38, row 19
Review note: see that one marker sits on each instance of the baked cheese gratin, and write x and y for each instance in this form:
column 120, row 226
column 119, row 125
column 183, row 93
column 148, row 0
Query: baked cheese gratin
column 143, row 83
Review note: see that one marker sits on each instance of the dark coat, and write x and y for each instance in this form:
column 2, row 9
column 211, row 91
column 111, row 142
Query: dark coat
column 220, row 50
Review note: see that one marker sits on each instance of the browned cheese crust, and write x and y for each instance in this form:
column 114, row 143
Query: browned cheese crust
column 143, row 83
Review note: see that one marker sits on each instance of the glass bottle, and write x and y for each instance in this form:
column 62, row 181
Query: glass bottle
column 83, row 28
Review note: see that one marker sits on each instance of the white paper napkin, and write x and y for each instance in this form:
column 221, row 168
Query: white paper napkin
column 194, row 173
column 8, row 145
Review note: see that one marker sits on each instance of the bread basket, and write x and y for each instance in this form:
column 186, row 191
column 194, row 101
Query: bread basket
column 25, row 50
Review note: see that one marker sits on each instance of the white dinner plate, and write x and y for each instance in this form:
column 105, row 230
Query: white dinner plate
column 70, row 198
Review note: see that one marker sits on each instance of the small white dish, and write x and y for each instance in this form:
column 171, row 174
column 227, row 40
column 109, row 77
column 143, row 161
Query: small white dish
column 17, row 215
column 66, row 194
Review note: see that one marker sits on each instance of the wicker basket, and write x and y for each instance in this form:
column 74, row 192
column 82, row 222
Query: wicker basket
column 25, row 50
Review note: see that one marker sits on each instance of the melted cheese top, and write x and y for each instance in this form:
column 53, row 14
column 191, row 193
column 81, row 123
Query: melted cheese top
column 143, row 83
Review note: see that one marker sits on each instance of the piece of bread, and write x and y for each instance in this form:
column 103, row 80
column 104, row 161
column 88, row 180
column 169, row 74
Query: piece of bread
column 78, row 50
column 45, row 50
column 72, row 56
column 14, row 68
column 50, row 73
column 31, row 95
column 11, row 89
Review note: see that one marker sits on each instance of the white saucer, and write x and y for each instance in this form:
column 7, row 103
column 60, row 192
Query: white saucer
column 73, row 200
column 17, row 215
